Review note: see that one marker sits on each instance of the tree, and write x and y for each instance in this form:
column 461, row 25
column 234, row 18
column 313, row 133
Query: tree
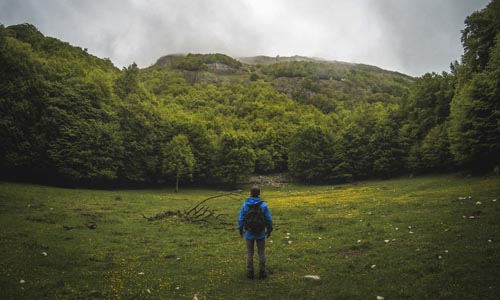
column 178, row 159
column 357, row 128
column 385, row 145
column 426, row 107
column 264, row 161
column 128, row 82
column 310, row 156
column 474, row 130
column 236, row 158
column 478, row 36
column 436, row 154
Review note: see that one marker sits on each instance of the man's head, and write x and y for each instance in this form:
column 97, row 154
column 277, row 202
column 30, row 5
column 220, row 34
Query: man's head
column 255, row 191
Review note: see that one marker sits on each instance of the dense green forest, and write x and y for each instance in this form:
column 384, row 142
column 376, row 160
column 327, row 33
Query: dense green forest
column 70, row 117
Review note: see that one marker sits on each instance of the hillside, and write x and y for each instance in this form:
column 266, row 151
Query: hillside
column 323, row 84
column 69, row 117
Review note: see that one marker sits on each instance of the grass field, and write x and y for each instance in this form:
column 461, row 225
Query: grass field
column 434, row 237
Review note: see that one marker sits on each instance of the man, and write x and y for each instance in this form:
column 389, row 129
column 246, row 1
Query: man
column 255, row 223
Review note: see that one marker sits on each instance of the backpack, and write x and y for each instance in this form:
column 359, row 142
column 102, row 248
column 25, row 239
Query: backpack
column 254, row 220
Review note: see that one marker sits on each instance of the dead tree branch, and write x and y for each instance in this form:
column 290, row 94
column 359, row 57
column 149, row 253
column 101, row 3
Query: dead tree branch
column 198, row 213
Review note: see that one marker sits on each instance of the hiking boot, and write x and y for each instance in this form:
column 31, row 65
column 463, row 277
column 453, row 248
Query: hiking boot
column 262, row 275
column 250, row 275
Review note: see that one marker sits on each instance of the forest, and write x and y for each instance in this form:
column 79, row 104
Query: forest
column 69, row 117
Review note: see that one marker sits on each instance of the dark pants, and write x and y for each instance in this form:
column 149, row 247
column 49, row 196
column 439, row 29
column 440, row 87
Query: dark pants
column 261, row 250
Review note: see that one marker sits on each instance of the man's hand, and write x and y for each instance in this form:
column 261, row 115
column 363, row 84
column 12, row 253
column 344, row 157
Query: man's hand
column 241, row 233
column 268, row 234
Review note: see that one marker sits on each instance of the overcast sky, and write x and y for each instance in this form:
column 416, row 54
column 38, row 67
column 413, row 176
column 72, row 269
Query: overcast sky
column 408, row 36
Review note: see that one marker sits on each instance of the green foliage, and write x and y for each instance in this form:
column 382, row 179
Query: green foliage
column 435, row 149
column 66, row 114
column 235, row 158
column 311, row 155
column 128, row 82
column 474, row 131
column 178, row 159
column 86, row 150
column 478, row 36
column 474, row 123
column 385, row 145
column 427, row 108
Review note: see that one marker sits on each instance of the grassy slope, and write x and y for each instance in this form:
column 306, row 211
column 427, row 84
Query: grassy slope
column 338, row 233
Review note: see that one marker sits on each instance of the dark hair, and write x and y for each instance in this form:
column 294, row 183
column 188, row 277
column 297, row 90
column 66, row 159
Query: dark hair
column 255, row 191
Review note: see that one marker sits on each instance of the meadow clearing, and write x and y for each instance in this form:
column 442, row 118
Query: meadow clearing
column 430, row 237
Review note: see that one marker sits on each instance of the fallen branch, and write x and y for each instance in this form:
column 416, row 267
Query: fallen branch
column 198, row 213
column 213, row 197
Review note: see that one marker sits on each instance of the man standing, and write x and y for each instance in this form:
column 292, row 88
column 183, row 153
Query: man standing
column 255, row 223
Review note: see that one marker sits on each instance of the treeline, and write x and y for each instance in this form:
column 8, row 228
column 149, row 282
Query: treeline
column 70, row 116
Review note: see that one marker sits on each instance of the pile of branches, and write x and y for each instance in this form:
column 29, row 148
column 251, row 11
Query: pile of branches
column 201, row 212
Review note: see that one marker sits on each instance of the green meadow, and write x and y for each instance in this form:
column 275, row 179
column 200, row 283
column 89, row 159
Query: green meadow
column 431, row 237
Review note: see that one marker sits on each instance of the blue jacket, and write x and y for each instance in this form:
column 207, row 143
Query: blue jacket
column 267, row 214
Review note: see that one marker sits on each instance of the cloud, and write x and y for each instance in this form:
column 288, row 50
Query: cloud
column 408, row 36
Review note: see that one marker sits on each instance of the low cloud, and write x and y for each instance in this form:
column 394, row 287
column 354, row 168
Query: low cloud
column 411, row 37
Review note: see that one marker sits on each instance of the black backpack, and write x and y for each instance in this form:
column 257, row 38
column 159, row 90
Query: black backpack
column 254, row 221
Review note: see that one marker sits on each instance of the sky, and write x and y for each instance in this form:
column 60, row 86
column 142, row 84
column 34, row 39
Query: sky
column 407, row 36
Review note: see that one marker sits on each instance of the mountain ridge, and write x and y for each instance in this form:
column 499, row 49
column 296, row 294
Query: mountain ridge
column 170, row 59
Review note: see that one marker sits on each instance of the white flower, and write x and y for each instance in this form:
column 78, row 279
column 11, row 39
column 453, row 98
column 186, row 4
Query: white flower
column 489, row 241
column 288, row 233
column 397, row 228
column 22, row 281
column 386, row 241
column 44, row 253
column 479, row 203
column 320, row 238
column 440, row 257
column 380, row 298
column 494, row 200
column 411, row 232
column 289, row 242
column 373, row 266
column 359, row 241
column 471, row 217
column 148, row 291
column 140, row 273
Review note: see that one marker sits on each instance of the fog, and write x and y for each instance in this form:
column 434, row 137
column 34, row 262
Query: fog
column 412, row 37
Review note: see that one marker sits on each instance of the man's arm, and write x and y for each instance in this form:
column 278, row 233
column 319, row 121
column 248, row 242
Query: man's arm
column 269, row 221
column 241, row 217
